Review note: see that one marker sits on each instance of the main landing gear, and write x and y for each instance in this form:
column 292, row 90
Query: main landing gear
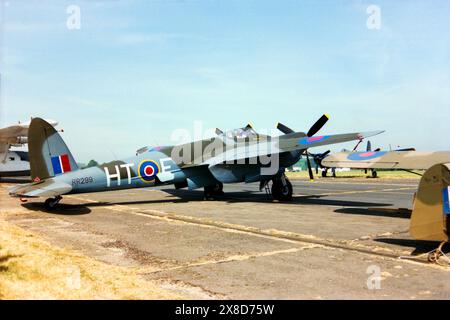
column 325, row 172
column 51, row 203
column 281, row 188
column 214, row 190
column 374, row 173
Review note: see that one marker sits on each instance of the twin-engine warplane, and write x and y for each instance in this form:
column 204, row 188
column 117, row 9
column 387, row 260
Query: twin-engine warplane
column 240, row 155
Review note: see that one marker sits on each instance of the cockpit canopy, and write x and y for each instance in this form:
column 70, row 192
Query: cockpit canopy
column 241, row 133
column 245, row 134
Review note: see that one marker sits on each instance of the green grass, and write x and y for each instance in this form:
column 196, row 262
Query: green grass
column 355, row 174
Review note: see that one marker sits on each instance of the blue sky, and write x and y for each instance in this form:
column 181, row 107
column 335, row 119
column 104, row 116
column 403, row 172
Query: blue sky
column 137, row 70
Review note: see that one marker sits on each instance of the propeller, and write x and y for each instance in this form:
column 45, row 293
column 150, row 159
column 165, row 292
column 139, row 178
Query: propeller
column 312, row 131
column 369, row 146
column 318, row 125
column 318, row 157
column 284, row 129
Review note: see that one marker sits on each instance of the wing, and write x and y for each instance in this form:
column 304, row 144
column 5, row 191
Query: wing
column 48, row 188
column 285, row 143
column 409, row 160
column 10, row 134
column 317, row 141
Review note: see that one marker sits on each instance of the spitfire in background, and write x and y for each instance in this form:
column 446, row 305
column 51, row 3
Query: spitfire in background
column 403, row 159
column 240, row 155
column 15, row 163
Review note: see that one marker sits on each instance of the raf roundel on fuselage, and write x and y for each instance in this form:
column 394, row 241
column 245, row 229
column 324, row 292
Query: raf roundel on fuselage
column 148, row 169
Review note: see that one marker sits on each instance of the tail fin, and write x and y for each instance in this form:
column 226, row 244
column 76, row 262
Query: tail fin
column 49, row 155
column 430, row 219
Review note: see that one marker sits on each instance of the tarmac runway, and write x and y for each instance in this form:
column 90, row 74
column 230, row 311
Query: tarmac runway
column 338, row 239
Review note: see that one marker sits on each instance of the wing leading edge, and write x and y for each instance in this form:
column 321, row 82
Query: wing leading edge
column 285, row 143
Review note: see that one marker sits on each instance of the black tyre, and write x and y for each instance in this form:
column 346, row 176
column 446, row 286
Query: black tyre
column 374, row 174
column 50, row 204
column 282, row 192
column 218, row 189
column 214, row 190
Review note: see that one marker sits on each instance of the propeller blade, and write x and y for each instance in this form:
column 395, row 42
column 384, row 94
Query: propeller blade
column 369, row 146
column 284, row 129
column 406, row 149
column 323, row 155
column 311, row 176
column 318, row 125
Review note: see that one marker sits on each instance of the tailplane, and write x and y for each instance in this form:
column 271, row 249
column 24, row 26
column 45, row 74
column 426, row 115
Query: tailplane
column 49, row 155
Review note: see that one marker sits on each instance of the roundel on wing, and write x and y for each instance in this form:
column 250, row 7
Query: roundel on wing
column 365, row 155
column 314, row 139
column 148, row 169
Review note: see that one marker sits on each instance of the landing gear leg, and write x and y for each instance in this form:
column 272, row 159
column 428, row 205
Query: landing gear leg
column 51, row 203
column 324, row 173
column 282, row 188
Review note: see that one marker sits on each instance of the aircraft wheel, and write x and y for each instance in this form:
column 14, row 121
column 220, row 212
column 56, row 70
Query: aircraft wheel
column 280, row 191
column 214, row 190
column 218, row 189
column 374, row 174
column 51, row 203
column 433, row 256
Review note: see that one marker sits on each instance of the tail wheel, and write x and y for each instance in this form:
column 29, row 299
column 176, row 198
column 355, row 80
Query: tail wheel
column 282, row 190
column 51, row 203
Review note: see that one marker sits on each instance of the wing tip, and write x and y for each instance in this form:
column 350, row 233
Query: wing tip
column 372, row 133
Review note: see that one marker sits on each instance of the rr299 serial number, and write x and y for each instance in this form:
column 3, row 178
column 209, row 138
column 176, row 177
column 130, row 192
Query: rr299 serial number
column 84, row 180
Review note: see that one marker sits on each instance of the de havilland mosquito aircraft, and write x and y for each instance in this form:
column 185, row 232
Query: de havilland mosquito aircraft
column 239, row 155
